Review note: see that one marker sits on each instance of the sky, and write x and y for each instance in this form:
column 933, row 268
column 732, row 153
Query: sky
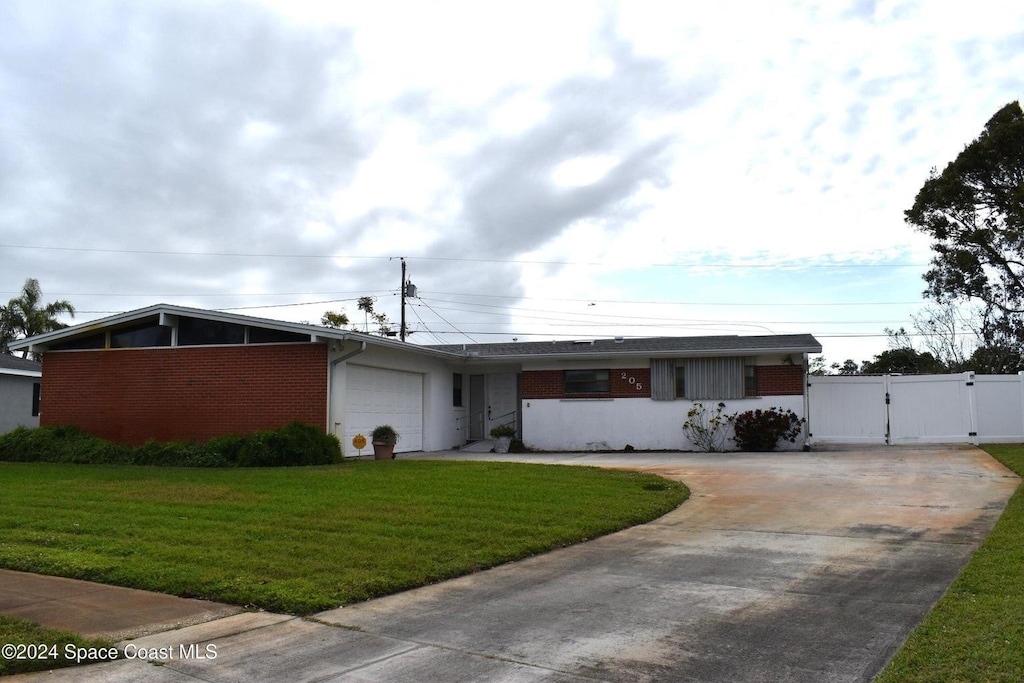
column 548, row 170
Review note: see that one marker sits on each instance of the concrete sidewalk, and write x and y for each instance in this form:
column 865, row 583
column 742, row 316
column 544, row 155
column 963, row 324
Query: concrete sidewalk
column 98, row 611
column 781, row 567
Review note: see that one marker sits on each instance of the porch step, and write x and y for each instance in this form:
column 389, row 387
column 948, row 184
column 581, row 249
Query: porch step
column 484, row 446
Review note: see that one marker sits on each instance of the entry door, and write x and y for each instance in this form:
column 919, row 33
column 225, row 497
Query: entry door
column 477, row 407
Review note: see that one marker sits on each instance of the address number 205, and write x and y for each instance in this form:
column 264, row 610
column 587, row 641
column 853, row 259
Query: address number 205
column 632, row 380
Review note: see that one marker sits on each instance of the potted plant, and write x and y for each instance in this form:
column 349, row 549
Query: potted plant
column 503, row 435
column 384, row 439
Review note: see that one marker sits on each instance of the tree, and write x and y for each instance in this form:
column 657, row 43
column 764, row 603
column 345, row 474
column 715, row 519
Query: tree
column 849, row 367
column 384, row 328
column 818, row 367
column 974, row 212
column 995, row 360
column 904, row 360
column 335, row 319
column 26, row 316
column 948, row 334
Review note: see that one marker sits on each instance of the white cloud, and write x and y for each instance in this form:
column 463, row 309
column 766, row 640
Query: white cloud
column 628, row 134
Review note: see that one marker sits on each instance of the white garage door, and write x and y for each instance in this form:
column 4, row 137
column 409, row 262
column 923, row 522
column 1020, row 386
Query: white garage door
column 375, row 396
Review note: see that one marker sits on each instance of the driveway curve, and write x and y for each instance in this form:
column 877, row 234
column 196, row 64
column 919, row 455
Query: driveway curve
column 780, row 567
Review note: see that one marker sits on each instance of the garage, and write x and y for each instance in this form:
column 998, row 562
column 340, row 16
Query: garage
column 376, row 396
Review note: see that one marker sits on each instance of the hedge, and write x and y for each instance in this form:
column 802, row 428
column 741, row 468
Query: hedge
column 292, row 445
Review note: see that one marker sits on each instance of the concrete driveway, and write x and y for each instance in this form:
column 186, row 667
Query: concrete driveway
column 781, row 567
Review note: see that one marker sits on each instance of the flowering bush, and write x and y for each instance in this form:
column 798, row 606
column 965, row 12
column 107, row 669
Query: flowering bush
column 761, row 430
column 706, row 430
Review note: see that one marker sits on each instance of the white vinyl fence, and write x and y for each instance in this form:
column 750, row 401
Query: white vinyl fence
column 908, row 409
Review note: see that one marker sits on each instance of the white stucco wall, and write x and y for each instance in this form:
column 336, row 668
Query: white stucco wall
column 440, row 418
column 600, row 424
column 16, row 402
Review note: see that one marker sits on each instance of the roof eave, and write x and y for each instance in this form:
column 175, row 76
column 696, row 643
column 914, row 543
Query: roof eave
column 650, row 354
column 20, row 373
column 39, row 343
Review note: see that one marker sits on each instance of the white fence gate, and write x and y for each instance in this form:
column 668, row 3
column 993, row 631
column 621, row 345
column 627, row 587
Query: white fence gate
column 908, row 409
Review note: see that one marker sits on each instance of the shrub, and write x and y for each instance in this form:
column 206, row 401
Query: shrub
column 761, row 430
column 61, row 443
column 179, row 454
column 707, row 431
column 293, row 444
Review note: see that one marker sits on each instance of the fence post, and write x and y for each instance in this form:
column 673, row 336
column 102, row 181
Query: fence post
column 1020, row 385
column 972, row 405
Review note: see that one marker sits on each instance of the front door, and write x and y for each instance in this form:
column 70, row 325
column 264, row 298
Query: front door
column 477, row 407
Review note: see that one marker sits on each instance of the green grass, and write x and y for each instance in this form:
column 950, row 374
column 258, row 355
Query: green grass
column 976, row 632
column 300, row 540
column 40, row 649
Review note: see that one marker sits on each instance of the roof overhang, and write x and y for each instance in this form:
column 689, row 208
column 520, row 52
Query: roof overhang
column 166, row 314
column 21, row 373
column 704, row 353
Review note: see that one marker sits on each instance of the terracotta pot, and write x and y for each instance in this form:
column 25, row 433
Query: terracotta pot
column 383, row 450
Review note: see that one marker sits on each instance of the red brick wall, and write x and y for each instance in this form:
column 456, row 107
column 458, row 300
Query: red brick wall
column 551, row 384
column 772, row 380
column 779, row 380
column 133, row 395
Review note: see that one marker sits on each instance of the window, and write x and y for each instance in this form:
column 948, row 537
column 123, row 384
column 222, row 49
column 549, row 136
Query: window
column 139, row 336
column 588, row 382
column 93, row 341
column 196, row 331
column 750, row 380
column 35, row 398
column 457, row 389
column 263, row 335
column 702, row 378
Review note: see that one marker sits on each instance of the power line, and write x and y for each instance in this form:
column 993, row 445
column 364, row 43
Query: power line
column 601, row 320
column 799, row 265
column 675, row 303
column 450, row 324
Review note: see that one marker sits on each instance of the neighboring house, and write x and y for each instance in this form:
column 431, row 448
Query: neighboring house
column 19, row 392
column 174, row 373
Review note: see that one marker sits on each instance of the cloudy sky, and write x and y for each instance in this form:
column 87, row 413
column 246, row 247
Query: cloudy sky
column 548, row 169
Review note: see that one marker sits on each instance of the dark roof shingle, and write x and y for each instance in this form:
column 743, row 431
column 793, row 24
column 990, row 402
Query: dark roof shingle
column 9, row 362
column 726, row 344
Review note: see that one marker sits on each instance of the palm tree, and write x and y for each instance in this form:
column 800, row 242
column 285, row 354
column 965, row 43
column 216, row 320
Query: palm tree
column 24, row 316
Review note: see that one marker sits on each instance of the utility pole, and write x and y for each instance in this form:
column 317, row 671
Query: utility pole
column 401, row 330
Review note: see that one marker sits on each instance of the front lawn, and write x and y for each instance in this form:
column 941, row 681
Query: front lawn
column 301, row 540
column 30, row 647
column 976, row 632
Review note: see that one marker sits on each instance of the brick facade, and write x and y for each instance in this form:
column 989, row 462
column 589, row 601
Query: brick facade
column 780, row 380
column 772, row 380
column 537, row 384
column 185, row 393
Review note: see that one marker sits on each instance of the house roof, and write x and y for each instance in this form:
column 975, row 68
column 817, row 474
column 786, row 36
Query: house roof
column 728, row 345
column 162, row 312
column 731, row 345
column 12, row 365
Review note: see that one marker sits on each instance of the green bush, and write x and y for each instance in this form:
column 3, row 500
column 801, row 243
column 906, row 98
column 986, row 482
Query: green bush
column 761, row 430
column 291, row 445
column 179, row 454
column 62, row 443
